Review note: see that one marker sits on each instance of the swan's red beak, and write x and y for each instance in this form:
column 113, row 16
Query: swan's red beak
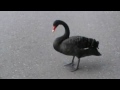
column 54, row 27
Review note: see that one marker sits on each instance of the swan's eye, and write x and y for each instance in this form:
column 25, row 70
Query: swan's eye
column 54, row 28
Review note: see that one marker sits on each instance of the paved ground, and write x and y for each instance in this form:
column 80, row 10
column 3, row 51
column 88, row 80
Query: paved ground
column 26, row 50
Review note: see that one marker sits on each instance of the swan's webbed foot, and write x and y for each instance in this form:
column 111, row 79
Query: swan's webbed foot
column 75, row 70
column 72, row 63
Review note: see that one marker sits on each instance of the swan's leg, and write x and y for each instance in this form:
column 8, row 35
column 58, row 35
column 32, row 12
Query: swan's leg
column 77, row 65
column 72, row 63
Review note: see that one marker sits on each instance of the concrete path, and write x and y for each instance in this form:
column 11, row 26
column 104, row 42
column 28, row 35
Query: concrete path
column 26, row 44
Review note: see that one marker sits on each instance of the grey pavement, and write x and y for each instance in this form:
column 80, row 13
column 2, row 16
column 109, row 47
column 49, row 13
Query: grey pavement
column 26, row 44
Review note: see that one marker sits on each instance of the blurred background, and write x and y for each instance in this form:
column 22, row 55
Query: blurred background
column 26, row 44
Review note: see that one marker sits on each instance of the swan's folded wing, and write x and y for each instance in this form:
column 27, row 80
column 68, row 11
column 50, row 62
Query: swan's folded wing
column 78, row 42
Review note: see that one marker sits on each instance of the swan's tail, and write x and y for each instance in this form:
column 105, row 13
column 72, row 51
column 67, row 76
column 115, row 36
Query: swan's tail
column 95, row 46
column 98, row 53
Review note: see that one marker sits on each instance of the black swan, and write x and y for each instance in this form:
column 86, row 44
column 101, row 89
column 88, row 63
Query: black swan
column 78, row 46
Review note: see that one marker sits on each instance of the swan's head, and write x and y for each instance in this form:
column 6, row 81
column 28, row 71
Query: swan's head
column 55, row 24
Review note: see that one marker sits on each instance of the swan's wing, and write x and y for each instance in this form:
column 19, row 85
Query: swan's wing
column 75, row 41
column 79, row 42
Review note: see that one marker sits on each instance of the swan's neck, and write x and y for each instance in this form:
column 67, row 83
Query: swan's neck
column 67, row 31
column 60, row 39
